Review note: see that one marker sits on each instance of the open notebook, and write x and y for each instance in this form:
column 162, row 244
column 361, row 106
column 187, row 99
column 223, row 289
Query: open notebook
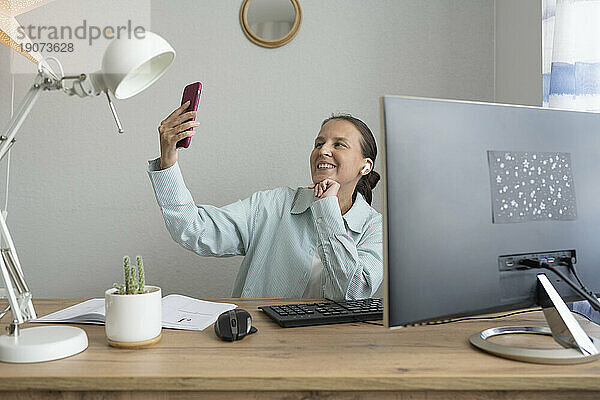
column 178, row 312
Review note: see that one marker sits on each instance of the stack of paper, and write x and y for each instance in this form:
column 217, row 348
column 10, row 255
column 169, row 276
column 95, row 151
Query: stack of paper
column 178, row 312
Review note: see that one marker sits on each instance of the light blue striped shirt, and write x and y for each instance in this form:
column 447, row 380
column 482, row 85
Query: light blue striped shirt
column 278, row 232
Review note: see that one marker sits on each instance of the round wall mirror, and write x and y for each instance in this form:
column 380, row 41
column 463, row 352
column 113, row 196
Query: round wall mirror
column 270, row 23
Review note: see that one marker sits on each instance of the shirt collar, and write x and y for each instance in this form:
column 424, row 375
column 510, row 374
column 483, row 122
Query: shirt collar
column 355, row 217
column 304, row 199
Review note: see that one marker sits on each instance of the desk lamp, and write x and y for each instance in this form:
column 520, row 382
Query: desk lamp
column 128, row 67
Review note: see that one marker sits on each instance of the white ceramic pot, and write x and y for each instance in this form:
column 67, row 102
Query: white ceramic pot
column 133, row 319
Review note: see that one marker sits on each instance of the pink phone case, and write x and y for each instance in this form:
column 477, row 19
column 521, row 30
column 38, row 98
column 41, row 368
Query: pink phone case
column 191, row 93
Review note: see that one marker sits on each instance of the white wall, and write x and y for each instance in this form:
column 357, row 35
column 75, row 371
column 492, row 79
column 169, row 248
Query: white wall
column 79, row 195
column 518, row 51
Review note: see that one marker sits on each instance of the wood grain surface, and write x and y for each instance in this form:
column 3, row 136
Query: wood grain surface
column 314, row 362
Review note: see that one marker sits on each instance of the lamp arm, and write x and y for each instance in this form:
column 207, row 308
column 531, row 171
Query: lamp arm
column 9, row 133
column 92, row 85
column 113, row 110
column 85, row 85
column 16, row 289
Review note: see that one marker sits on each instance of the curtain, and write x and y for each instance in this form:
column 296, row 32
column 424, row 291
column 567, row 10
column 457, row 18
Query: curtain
column 571, row 54
column 571, row 68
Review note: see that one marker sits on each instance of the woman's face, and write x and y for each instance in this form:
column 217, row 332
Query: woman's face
column 337, row 154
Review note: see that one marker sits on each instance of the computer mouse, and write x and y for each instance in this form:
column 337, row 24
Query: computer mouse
column 234, row 325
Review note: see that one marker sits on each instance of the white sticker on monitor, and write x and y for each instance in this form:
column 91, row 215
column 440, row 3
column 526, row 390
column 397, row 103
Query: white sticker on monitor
column 531, row 186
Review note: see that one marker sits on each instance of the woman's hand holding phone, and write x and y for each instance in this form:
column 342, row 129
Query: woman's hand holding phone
column 173, row 129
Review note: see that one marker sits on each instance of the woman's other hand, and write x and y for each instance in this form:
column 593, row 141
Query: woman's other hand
column 172, row 130
column 325, row 188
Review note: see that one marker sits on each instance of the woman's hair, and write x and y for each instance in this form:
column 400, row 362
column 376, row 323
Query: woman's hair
column 368, row 148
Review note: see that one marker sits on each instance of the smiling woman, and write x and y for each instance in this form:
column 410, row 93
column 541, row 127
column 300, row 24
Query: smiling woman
column 349, row 141
column 324, row 240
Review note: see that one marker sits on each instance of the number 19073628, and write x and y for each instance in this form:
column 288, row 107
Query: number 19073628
column 49, row 47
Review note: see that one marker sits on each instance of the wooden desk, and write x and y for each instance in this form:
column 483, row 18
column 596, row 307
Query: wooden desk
column 348, row 361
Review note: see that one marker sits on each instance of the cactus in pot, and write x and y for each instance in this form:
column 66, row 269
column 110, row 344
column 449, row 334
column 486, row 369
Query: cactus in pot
column 134, row 284
column 133, row 309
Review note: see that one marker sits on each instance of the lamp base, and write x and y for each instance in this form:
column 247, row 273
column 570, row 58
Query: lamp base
column 42, row 343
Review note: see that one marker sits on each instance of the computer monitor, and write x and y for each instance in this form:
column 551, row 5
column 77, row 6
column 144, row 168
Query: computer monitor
column 473, row 188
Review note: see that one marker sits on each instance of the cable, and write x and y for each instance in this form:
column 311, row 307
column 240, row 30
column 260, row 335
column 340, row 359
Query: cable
column 583, row 291
column 481, row 318
column 12, row 111
column 465, row 319
column 371, row 323
column 3, row 313
column 531, row 264
column 453, row 320
column 43, row 61
column 569, row 262
column 583, row 315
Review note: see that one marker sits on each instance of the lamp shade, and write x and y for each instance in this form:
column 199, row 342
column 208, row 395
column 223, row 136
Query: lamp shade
column 131, row 65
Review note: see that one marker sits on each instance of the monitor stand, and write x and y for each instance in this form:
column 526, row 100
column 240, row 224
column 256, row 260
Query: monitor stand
column 562, row 325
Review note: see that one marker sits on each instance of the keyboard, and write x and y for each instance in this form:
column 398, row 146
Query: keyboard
column 306, row 314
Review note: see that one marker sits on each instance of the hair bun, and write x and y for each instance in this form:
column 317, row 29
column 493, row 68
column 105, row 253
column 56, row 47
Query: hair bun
column 372, row 179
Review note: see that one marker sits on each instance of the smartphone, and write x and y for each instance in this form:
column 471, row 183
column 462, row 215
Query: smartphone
column 191, row 93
